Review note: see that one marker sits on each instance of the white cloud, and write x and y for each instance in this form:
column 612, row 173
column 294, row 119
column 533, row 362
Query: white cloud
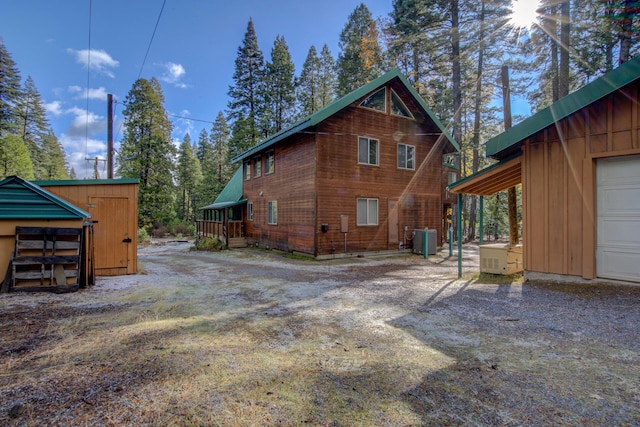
column 173, row 74
column 79, row 149
column 96, row 59
column 85, row 123
column 93, row 93
column 54, row 108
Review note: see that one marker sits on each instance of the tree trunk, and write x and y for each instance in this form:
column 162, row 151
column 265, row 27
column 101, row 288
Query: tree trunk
column 456, row 81
column 565, row 46
column 626, row 24
column 511, row 193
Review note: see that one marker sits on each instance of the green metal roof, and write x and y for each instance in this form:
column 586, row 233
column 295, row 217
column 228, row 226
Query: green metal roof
column 61, row 182
column 231, row 194
column 599, row 88
column 341, row 103
column 20, row 199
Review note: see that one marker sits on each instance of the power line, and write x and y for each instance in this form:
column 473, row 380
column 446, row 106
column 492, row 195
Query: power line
column 151, row 41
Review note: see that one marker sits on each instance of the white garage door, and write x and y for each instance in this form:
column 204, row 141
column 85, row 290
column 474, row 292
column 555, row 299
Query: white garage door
column 618, row 199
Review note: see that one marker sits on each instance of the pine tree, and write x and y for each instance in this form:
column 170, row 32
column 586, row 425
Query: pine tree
column 10, row 92
column 33, row 126
column 315, row 87
column 328, row 77
column 279, row 89
column 54, row 163
column 147, row 152
column 360, row 59
column 14, row 158
column 246, row 107
column 189, row 180
column 203, row 147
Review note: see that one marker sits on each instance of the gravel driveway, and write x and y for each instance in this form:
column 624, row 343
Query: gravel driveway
column 247, row 337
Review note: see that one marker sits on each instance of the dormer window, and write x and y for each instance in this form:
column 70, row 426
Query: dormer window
column 376, row 101
column 397, row 106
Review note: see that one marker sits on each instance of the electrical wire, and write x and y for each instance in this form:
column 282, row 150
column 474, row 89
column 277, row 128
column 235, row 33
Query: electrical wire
column 152, row 37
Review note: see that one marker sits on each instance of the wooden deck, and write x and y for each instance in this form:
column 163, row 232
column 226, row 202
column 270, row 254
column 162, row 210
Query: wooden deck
column 233, row 235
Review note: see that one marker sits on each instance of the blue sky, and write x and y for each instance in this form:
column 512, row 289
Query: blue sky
column 192, row 55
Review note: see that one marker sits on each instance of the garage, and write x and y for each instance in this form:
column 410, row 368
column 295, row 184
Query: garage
column 618, row 218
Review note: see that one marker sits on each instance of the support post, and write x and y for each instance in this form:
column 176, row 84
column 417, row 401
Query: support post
column 109, row 136
column 481, row 219
column 459, row 236
column 425, row 245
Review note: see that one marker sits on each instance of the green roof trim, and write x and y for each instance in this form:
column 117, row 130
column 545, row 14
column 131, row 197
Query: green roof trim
column 62, row 182
column 341, row 103
column 588, row 94
column 21, row 199
column 231, row 194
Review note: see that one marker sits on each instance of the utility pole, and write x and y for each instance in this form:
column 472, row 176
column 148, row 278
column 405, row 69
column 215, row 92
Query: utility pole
column 511, row 192
column 109, row 136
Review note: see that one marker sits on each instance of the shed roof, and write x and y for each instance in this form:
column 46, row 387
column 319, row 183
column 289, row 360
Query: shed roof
column 492, row 179
column 21, row 199
column 626, row 73
column 231, row 194
column 66, row 182
column 343, row 102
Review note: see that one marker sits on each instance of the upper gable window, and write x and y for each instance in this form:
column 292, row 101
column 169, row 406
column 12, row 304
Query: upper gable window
column 397, row 106
column 376, row 101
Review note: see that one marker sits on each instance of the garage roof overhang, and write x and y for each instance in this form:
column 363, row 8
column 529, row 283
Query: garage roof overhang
column 493, row 179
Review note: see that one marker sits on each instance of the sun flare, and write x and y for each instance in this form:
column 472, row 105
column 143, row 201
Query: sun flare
column 524, row 13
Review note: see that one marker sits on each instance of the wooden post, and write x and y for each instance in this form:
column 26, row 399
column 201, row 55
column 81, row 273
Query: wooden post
column 109, row 136
column 511, row 192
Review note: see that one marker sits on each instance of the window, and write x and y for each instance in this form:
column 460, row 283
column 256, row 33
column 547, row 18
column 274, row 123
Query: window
column 247, row 170
column 377, row 101
column 367, row 151
column 257, row 166
column 452, row 177
column 397, row 106
column 367, row 211
column 406, row 156
column 273, row 212
column 250, row 211
column 270, row 165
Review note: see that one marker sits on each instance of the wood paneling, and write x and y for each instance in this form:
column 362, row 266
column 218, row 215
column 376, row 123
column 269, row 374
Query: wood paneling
column 115, row 208
column 317, row 179
column 558, row 178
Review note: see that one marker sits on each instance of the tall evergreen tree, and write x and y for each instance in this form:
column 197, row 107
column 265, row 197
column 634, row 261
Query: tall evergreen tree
column 328, row 77
column 189, row 180
column 33, row 126
column 202, row 147
column 246, row 107
column 147, row 152
column 279, row 89
column 360, row 59
column 10, row 92
column 220, row 160
column 14, row 158
column 308, row 84
column 54, row 163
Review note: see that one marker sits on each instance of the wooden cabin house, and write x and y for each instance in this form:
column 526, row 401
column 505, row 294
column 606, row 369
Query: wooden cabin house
column 356, row 176
column 42, row 240
column 579, row 165
column 113, row 205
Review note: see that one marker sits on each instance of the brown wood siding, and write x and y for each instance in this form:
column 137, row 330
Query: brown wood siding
column 115, row 209
column 292, row 185
column 559, row 182
column 342, row 181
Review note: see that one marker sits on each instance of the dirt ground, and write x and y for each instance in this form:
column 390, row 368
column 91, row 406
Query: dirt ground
column 252, row 338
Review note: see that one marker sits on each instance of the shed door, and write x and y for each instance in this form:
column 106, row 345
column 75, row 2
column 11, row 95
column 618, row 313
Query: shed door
column 618, row 218
column 111, row 232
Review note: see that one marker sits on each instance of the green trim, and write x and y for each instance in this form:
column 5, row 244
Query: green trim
column 21, row 199
column 333, row 108
column 231, row 194
column 599, row 88
column 449, row 165
column 62, row 182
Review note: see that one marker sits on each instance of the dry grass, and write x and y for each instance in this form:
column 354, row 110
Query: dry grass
column 243, row 340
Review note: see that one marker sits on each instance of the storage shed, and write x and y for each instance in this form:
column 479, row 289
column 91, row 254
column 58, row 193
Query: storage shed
column 49, row 232
column 113, row 204
column 579, row 164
